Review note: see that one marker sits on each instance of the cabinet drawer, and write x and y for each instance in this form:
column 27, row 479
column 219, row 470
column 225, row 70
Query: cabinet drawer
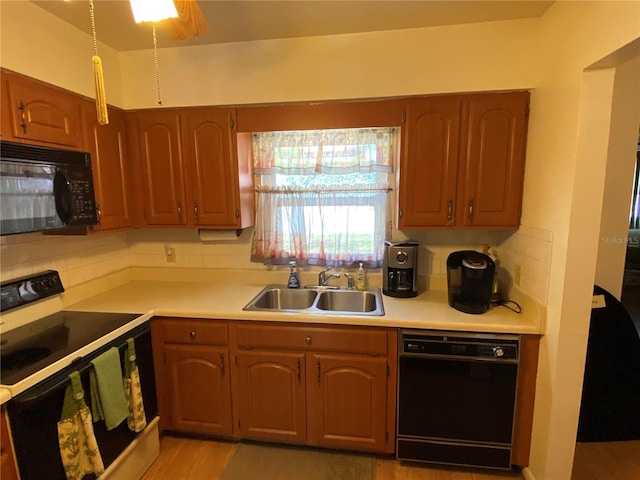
column 195, row 332
column 342, row 339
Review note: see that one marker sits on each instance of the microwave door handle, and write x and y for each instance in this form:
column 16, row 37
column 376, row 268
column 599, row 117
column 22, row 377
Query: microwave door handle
column 62, row 195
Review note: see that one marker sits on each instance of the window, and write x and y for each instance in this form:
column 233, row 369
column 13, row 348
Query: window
column 323, row 196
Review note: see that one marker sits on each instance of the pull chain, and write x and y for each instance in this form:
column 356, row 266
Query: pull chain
column 101, row 99
column 155, row 59
column 93, row 27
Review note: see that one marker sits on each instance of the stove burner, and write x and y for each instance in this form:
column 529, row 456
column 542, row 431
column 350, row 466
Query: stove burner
column 24, row 357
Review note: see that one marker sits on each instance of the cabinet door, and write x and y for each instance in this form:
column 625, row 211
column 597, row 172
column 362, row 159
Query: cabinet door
column 7, row 461
column 111, row 169
column 494, row 154
column 347, row 401
column 42, row 114
column 161, row 165
column 429, row 163
column 199, row 389
column 269, row 396
column 210, row 162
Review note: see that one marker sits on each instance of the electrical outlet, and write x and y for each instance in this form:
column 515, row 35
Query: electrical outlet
column 518, row 273
column 170, row 253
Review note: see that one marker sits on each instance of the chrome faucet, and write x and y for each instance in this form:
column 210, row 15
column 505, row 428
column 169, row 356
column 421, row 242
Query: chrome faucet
column 350, row 281
column 323, row 279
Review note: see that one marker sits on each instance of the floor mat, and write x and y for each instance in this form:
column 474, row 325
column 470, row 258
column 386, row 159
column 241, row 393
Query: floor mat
column 267, row 462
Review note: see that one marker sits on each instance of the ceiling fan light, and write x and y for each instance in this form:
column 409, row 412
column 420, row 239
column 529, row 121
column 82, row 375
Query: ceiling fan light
column 153, row 10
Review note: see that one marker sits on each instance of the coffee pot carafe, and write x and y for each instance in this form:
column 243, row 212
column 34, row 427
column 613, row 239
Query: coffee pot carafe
column 400, row 268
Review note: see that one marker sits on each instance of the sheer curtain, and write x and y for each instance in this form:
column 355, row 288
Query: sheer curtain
column 323, row 196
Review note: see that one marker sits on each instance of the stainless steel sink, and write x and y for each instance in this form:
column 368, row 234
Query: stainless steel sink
column 278, row 298
column 318, row 300
column 347, row 301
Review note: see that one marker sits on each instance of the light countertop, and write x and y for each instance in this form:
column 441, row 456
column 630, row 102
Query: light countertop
column 201, row 293
column 223, row 297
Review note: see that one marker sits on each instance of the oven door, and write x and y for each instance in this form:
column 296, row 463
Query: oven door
column 34, row 414
column 28, row 198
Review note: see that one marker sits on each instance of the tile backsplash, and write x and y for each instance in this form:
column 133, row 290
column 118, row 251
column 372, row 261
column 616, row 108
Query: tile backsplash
column 525, row 253
column 76, row 258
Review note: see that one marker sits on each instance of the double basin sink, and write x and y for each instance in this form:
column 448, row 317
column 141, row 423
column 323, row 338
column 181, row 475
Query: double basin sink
column 318, row 300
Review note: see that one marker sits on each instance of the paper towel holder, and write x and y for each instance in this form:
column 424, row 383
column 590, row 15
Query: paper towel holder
column 212, row 235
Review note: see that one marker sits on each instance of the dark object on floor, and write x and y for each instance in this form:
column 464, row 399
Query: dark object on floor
column 610, row 407
column 268, row 462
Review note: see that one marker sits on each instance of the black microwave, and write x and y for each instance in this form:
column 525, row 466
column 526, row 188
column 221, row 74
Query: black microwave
column 44, row 188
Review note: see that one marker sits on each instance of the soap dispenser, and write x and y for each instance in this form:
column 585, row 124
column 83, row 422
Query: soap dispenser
column 294, row 281
column 360, row 278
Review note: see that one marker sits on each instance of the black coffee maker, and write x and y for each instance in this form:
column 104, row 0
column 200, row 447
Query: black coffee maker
column 470, row 281
column 400, row 268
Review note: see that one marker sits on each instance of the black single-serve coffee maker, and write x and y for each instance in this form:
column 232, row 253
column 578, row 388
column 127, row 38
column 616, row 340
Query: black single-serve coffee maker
column 470, row 281
column 400, row 268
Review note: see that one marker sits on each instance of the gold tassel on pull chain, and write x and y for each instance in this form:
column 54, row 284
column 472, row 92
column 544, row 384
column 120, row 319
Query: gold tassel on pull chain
column 101, row 98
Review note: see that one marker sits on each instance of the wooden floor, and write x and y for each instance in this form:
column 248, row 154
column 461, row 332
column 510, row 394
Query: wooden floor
column 607, row 461
column 196, row 459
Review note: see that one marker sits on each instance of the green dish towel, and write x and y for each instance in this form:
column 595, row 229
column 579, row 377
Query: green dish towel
column 108, row 401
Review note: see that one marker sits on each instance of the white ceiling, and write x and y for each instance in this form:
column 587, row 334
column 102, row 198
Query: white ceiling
column 245, row 20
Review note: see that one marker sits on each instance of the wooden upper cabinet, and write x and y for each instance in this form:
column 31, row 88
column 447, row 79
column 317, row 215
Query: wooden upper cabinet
column 196, row 171
column 493, row 154
column 111, row 168
column 462, row 162
column 429, row 163
column 160, row 154
column 218, row 174
column 38, row 113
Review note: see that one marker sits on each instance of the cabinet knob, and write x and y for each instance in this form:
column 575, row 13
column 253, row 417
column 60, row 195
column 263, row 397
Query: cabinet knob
column 195, row 211
column 192, row 334
column 179, row 205
column 470, row 210
column 308, row 340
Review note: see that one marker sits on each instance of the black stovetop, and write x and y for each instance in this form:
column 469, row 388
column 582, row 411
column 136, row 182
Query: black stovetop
column 26, row 350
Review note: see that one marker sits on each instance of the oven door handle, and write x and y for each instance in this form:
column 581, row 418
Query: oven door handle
column 51, row 386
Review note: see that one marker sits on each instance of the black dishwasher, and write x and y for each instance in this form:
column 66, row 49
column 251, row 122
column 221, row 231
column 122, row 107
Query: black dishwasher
column 456, row 397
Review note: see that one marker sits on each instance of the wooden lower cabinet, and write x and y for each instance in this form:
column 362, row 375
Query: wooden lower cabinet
column 329, row 386
column 525, row 398
column 8, row 469
column 269, row 394
column 347, row 401
column 191, row 360
column 308, row 384
column 198, row 380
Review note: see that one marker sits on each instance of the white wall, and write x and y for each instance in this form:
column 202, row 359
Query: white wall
column 564, row 182
column 622, row 141
column 473, row 57
column 38, row 44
